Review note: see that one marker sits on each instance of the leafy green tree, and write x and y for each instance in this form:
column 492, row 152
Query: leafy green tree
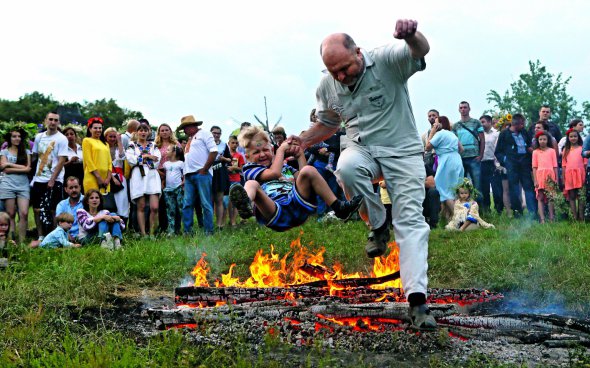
column 33, row 107
column 536, row 88
column 113, row 114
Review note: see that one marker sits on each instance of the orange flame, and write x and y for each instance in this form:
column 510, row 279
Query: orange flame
column 387, row 265
column 269, row 270
column 200, row 272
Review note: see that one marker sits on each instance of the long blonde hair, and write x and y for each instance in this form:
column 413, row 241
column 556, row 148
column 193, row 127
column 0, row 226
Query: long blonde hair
column 109, row 130
column 158, row 140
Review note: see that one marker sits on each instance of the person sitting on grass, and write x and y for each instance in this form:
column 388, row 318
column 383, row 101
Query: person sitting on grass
column 4, row 232
column 58, row 238
column 96, row 223
column 283, row 197
column 466, row 211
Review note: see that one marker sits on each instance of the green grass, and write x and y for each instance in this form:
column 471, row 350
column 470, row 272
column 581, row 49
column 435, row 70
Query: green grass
column 41, row 290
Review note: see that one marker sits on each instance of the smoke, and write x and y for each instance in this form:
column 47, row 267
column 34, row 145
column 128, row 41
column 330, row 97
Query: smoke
column 535, row 302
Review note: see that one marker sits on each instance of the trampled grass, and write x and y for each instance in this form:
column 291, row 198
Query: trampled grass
column 547, row 266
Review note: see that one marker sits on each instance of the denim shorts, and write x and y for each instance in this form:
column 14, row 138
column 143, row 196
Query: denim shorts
column 291, row 212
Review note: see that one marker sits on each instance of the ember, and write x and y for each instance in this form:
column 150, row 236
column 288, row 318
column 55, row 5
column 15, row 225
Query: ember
column 304, row 297
column 306, row 289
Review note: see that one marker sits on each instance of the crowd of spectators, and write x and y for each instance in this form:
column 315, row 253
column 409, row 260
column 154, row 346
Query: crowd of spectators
column 513, row 164
column 92, row 189
column 89, row 190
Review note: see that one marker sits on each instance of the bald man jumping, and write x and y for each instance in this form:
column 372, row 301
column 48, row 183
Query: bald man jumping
column 368, row 92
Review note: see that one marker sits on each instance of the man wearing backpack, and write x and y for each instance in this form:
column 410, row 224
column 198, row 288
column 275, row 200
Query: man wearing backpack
column 470, row 134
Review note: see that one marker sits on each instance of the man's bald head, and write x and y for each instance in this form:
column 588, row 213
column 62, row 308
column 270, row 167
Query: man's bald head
column 343, row 58
column 339, row 39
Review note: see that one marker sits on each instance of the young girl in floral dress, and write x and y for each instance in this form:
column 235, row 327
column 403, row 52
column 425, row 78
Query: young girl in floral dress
column 574, row 172
column 466, row 210
column 544, row 169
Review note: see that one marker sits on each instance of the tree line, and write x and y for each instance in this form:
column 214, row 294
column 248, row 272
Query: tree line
column 32, row 108
column 539, row 87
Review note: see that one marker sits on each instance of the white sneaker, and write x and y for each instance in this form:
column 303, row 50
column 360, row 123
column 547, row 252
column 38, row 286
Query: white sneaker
column 117, row 243
column 107, row 242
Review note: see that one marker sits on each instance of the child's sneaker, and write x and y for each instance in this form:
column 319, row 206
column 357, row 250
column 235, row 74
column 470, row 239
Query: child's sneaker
column 3, row 263
column 239, row 198
column 107, row 242
column 345, row 209
column 117, row 243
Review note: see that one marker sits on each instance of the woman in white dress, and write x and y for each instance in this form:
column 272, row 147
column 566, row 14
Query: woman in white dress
column 118, row 156
column 143, row 157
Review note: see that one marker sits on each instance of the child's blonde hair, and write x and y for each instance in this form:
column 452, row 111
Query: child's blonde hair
column 4, row 217
column 247, row 135
column 64, row 217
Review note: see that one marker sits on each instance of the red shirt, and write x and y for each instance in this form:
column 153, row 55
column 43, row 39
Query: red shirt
column 237, row 160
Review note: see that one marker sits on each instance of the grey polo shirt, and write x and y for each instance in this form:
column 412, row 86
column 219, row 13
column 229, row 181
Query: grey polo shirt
column 378, row 113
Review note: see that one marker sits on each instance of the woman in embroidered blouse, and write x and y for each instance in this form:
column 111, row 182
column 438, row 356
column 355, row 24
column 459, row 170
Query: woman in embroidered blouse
column 73, row 166
column 96, row 223
column 115, row 143
column 97, row 158
column 143, row 156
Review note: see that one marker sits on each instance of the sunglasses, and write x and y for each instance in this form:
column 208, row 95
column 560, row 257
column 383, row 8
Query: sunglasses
column 52, row 119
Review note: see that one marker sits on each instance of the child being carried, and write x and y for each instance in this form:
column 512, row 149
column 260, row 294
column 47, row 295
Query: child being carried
column 283, row 197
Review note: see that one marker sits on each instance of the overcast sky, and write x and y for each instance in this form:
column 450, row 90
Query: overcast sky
column 218, row 59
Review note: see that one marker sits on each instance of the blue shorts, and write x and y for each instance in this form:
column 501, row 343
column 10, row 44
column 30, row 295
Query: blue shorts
column 291, row 212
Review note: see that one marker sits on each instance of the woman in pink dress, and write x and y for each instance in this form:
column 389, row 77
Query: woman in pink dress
column 574, row 172
column 544, row 168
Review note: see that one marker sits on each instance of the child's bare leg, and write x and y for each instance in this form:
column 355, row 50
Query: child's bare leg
column 572, row 196
column 264, row 204
column 551, row 211
column 468, row 226
column 581, row 206
column 310, row 182
column 464, row 226
column 541, row 210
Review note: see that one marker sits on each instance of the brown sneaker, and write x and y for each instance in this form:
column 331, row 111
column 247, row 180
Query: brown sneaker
column 421, row 318
column 377, row 242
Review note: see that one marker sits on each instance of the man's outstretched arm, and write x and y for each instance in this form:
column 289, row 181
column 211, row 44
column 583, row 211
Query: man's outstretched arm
column 407, row 30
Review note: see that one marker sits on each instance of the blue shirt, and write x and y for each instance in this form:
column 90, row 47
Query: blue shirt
column 277, row 190
column 64, row 206
column 56, row 239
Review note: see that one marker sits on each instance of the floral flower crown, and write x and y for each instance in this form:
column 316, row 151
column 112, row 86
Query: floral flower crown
column 467, row 185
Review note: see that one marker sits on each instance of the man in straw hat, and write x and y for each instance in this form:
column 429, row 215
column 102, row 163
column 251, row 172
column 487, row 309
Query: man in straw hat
column 199, row 154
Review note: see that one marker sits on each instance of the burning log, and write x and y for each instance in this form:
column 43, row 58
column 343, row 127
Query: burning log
column 233, row 295
column 302, row 310
column 525, row 328
column 353, row 282
column 317, row 271
column 206, row 296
